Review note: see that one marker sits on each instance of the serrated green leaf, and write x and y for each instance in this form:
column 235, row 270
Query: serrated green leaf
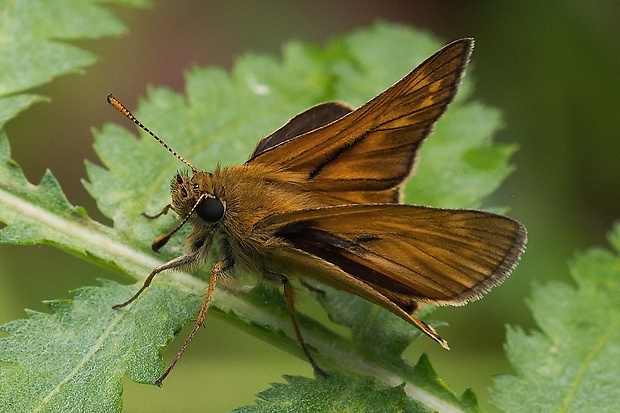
column 378, row 333
column 74, row 358
column 572, row 364
column 336, row 394
column 460, row 166
column 424, row 392
column 220, row 119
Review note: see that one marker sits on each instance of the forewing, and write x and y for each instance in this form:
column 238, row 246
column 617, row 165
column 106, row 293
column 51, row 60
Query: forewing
column 409, row 253
column 365, row 156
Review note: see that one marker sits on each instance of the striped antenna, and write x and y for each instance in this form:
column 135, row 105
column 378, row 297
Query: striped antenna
column 119, row 106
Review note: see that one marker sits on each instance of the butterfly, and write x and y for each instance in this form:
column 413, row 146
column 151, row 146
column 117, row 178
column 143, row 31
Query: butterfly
column 321, row 197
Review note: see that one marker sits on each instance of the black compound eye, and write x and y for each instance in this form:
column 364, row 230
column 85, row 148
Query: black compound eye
column 210, row 209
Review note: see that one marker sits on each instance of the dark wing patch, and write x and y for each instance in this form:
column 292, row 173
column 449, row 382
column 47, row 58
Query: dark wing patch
column 313, row 118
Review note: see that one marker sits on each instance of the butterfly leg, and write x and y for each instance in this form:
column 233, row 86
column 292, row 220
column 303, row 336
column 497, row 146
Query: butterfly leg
column 218, row 271
column 289, row 297
column 174, row 263
column 163, row 211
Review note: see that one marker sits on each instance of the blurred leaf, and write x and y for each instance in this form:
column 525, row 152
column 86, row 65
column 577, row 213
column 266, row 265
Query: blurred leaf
column 31, row 49
column 572, row 365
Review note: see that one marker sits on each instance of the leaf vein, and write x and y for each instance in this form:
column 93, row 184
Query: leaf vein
column 600, row 344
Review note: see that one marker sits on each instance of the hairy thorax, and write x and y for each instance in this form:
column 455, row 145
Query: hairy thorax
column 250, row 194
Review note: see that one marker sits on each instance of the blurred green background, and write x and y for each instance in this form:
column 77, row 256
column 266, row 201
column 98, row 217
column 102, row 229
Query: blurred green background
column 551, row 66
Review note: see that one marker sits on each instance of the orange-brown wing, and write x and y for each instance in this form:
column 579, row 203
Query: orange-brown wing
column 407, row 253
column 366, row 155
